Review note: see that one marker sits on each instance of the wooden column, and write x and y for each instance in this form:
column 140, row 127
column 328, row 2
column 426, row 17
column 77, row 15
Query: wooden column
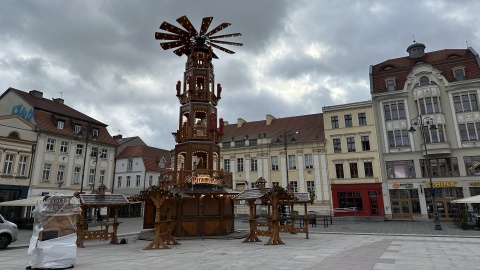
column 275, row 238
column 252, row 235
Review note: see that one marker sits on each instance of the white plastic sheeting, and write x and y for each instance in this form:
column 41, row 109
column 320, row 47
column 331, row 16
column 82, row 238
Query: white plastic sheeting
column 60, row 251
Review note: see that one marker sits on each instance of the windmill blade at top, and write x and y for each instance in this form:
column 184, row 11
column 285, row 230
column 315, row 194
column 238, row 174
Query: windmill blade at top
column 173, row 44
column 220, row 48
column 180, row 51
column 227, row 42
column 173, row 29
column 226, row 36
column 185, row 22
column 205, row 24
column 218, row 29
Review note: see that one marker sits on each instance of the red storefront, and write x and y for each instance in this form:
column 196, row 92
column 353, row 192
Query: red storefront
column 357, row 199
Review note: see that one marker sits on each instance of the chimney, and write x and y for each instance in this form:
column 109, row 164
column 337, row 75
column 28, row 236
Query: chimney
column 117, row 137
column 36, row 93
column 240, row 122
column 269, row 119
column 58, row 100
column 225, row 123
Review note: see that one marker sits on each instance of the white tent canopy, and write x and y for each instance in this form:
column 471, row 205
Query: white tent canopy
column 31, row 201
column 473, row 199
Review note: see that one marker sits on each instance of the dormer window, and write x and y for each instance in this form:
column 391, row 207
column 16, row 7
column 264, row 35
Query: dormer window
column 60, row 124
column 459, row 73
column 424, row 81
column 390, row 83
column 95, row 132
column 78, row 129
column 14, row 135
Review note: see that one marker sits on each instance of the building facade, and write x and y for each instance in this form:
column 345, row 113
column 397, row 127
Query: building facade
column 352, row 159
column 284, row 150
column 72, row 151
column 435, row 96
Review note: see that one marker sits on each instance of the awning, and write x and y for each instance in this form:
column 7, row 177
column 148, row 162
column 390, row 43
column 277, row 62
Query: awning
column 473, row 199
column 32, row 201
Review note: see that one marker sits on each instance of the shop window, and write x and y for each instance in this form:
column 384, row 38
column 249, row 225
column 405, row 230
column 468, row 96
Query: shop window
column 352, row 200
column 472, row 165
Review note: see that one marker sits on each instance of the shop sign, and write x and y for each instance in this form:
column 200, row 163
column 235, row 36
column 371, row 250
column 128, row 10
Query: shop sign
column 202, row 179
column 475, row 184
column 402, row 185
column 442, row 184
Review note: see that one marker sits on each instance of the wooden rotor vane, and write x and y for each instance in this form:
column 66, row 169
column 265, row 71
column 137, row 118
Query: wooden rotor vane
column 184, row 39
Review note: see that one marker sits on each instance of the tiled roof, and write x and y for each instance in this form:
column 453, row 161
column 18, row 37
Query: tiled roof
column 144, row 151
column 310, row 128
column 443, row 60
column 54, row 107
column 129, row 141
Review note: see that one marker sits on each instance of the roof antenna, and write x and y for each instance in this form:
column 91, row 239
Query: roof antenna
column 467, row 43
column 414, row 39
column 61, row 96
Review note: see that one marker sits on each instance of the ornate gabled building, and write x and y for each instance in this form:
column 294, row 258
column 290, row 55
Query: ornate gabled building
column 434, row 95
column 281, row 150
column 70, row 148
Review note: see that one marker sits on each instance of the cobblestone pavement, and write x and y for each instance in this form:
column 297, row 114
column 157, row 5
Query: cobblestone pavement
column 132, row 226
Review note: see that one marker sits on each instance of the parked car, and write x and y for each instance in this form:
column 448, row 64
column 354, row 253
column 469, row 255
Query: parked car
column 8, row 232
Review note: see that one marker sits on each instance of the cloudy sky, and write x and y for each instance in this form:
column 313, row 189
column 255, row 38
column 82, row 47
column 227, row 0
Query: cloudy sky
column 298, row 56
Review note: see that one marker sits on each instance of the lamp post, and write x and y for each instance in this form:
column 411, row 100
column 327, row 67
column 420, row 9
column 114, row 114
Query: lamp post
column 87, row 140
column 92, row 154
column 423, row 123
column 284, row 136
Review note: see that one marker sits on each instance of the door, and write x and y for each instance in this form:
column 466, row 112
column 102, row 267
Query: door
column 401, row 204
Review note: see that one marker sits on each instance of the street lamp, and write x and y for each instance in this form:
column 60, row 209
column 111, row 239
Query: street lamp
column 423, row 123
column 284, row 136
column 87, row 139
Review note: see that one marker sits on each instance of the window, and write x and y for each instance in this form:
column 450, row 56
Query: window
column 78, row 129
column 253, row 185
column 7, row 168
column 95, row 133
column 128, row 181
column 292, row 165
column 50, row 144
column 60, row 173
column 275, row 184
column 469, row 131
column 46, row 172
column 14, row 135
column 294, row 186
column 64, row 147
column 79, row 149
column 22, row 166
column 351, row 144
column 119, row 181
column 439, row 167
column 362, row 119
column 253, row 164
column 137, row 181
column 226, row 165
column 60, row 124
column 337, row 146
column 394, row 110
column 239, row 143
column 390, row 84
column 339, row 171
column 104, row 153
column 335, row 122
column 348, row 120
column 435, row 136
column 400, row 169
column 459, row 74
column 398, row 138
column 226, row 144
column 91, row 179
column 368, row 166
column 150, row 180
column 365, row 142
column 310, row 186
column 472, row 165
column 130, row 165
column 351, row 200
column 102, row 176
column 465, row 102
column 274, row 163
column 353, row 170
column 424, row 80
column 428, row 105
column 308, row 161
column 76, row 175
column 94, row 152
column 252, row 142
column 239, row 164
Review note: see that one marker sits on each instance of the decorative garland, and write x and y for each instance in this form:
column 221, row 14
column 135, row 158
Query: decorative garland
column 311, row 194
column 144, row 194
column 280, row 190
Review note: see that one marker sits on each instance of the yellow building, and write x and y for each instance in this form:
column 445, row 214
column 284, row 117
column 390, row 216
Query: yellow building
column 352, row 159
column 284, row 151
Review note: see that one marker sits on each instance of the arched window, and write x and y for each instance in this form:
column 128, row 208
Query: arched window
column 424, row 81
column 14, row 135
